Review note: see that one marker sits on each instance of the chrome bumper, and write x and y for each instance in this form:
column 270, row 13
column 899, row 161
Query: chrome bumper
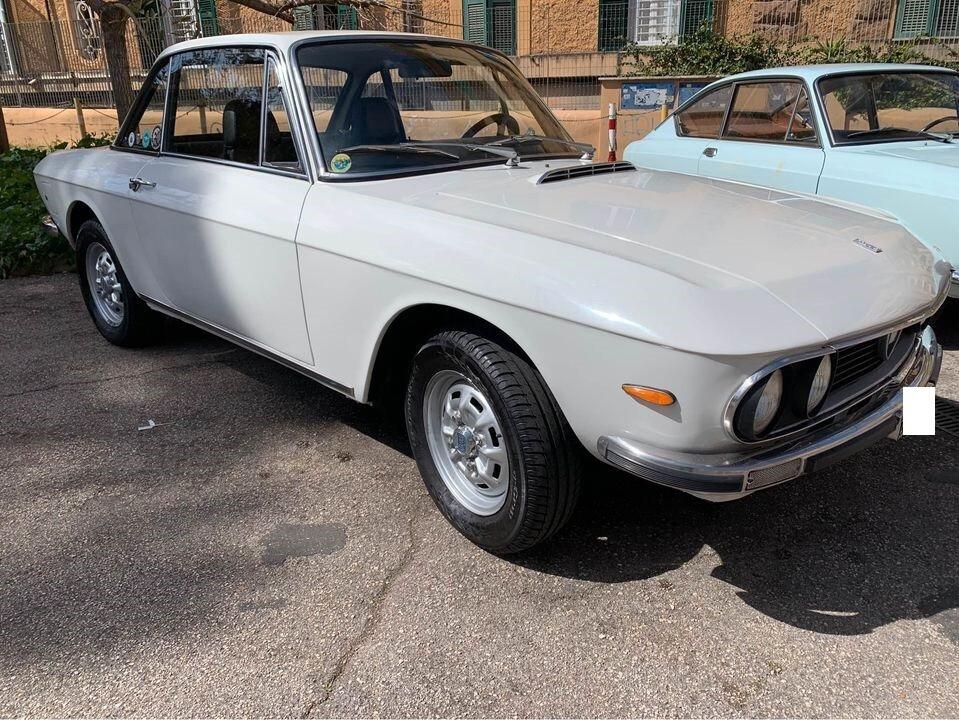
column 727, row 477
column 49, row 226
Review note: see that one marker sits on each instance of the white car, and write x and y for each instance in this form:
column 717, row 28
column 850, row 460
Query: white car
column 401, row 217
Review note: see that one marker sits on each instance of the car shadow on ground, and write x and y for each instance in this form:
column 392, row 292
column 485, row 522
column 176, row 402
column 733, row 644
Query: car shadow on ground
column 866, row 543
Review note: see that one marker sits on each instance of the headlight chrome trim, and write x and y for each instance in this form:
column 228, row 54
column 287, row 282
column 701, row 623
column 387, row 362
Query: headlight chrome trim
column 729, row 414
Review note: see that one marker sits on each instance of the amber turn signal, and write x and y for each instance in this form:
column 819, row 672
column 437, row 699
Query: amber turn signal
column 650, row 395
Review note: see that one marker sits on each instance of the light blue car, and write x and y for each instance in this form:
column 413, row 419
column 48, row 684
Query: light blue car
column 880, row 135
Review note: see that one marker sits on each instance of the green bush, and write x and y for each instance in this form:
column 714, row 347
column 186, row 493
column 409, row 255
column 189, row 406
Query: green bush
column 24, row 248
column 704, row 52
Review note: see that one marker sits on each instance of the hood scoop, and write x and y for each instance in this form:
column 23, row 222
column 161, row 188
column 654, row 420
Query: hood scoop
column 585, row 170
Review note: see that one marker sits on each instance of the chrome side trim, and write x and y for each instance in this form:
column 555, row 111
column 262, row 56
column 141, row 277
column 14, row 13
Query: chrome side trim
column 729, row 474
column 248, row 345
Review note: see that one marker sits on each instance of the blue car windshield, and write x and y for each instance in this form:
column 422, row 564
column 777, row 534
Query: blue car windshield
column 891, row 106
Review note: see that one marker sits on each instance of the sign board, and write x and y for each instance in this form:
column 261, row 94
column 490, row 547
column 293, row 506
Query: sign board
column 688, row 89
column 647, row 95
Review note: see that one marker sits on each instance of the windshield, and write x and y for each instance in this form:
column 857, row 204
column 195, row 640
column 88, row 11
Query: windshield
column 887, row 107
column 402, row 106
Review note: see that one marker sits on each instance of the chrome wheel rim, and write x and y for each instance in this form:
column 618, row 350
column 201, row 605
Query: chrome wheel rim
column 105, row 288
column 467, row 443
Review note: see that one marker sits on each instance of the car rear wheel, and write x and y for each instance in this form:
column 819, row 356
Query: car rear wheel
column 496, row 455
column 120, row 316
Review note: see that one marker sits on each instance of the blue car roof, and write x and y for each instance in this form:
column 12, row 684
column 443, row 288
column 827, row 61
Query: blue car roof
column 812, row 73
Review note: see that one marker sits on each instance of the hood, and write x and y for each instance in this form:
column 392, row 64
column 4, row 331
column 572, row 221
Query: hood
column 840, row 271
column 926, row 151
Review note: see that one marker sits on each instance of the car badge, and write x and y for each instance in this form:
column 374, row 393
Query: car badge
column 868, row 246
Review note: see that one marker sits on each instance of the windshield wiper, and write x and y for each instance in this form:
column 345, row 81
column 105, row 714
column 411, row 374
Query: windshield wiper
column 584, row 148
column 892, row 128
column 512, row 157
column 410, row 149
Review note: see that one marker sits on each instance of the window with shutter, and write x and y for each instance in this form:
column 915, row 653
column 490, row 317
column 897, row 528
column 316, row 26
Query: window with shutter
column 209, row 24
column 492, row 23
column 947, row 22
column 695, row 14
column 474, row 21
column 304, row 18
column 915, row 18
column 613, row 21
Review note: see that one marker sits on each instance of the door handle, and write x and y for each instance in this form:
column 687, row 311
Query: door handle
column 136, row 183
column 710, row 152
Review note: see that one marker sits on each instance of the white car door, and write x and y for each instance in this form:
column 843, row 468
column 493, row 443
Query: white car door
column 769, row 139
column 218, row 208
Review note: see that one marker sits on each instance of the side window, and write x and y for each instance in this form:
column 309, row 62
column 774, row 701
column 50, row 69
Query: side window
column 217, row 104
column 763, row 111
column 279, row 148
column 802, row 128
column 143, row 129
column 704, row 118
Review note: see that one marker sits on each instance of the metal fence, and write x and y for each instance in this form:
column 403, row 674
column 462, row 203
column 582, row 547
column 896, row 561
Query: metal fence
column 563, row 46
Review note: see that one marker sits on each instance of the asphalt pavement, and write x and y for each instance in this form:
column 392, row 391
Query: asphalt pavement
column 265, row 547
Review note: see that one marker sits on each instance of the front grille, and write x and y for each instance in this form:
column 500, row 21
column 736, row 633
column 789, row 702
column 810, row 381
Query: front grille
column 855, row 361
column 574, row 171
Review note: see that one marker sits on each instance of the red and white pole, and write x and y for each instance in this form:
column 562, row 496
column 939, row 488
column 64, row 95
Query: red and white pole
column 612, row 133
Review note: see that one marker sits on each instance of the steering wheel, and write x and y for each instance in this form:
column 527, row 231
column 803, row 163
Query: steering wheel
column 941, row 120
column 502, row 121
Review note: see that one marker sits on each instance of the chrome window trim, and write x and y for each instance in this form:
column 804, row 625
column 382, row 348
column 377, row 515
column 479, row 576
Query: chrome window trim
column 729, row 414
column 161, row 62
column 270, row 53
column 272, row 62
column 734, row 84
column 244, row 166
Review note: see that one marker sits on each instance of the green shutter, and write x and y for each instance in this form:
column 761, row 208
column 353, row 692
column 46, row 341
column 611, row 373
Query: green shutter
column 208, row 21
column 303, row 18
column 474, row 21
column 693, row 14
column 613, row 22
column 915, row 18
column 346, row 17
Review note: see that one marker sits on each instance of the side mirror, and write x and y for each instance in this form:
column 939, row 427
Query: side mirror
column 229, row 133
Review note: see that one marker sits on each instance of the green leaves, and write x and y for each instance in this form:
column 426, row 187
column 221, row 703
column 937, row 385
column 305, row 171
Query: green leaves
column 24, row 248
column 704, row 52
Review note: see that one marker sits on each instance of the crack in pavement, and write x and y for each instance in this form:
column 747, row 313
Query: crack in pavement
column 372, row 620
column 208, row 360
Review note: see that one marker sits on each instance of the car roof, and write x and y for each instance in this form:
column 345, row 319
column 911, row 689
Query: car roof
column 814, row 72
column 284, row 39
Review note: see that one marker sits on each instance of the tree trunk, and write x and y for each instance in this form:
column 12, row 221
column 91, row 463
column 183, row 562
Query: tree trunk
column 4, row 142
column 113, row 21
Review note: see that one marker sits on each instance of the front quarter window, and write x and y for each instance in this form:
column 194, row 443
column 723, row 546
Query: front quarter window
column 704, row 117
column 144, row 125
column 408, row 106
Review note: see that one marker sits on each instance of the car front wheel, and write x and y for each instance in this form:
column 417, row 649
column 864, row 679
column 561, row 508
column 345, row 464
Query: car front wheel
column 493, row 448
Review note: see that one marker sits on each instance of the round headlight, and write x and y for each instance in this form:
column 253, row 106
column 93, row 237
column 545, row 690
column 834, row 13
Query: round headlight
column 768, row 404
column 820, row 384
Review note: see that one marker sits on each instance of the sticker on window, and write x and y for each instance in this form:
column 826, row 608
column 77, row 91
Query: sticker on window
column 340, row 163
column 132, row 139
column 145, row 140
column 155, row 140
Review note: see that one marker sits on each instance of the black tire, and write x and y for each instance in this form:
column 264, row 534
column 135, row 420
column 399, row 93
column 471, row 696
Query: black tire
column 544, row 456
column 139, row 325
